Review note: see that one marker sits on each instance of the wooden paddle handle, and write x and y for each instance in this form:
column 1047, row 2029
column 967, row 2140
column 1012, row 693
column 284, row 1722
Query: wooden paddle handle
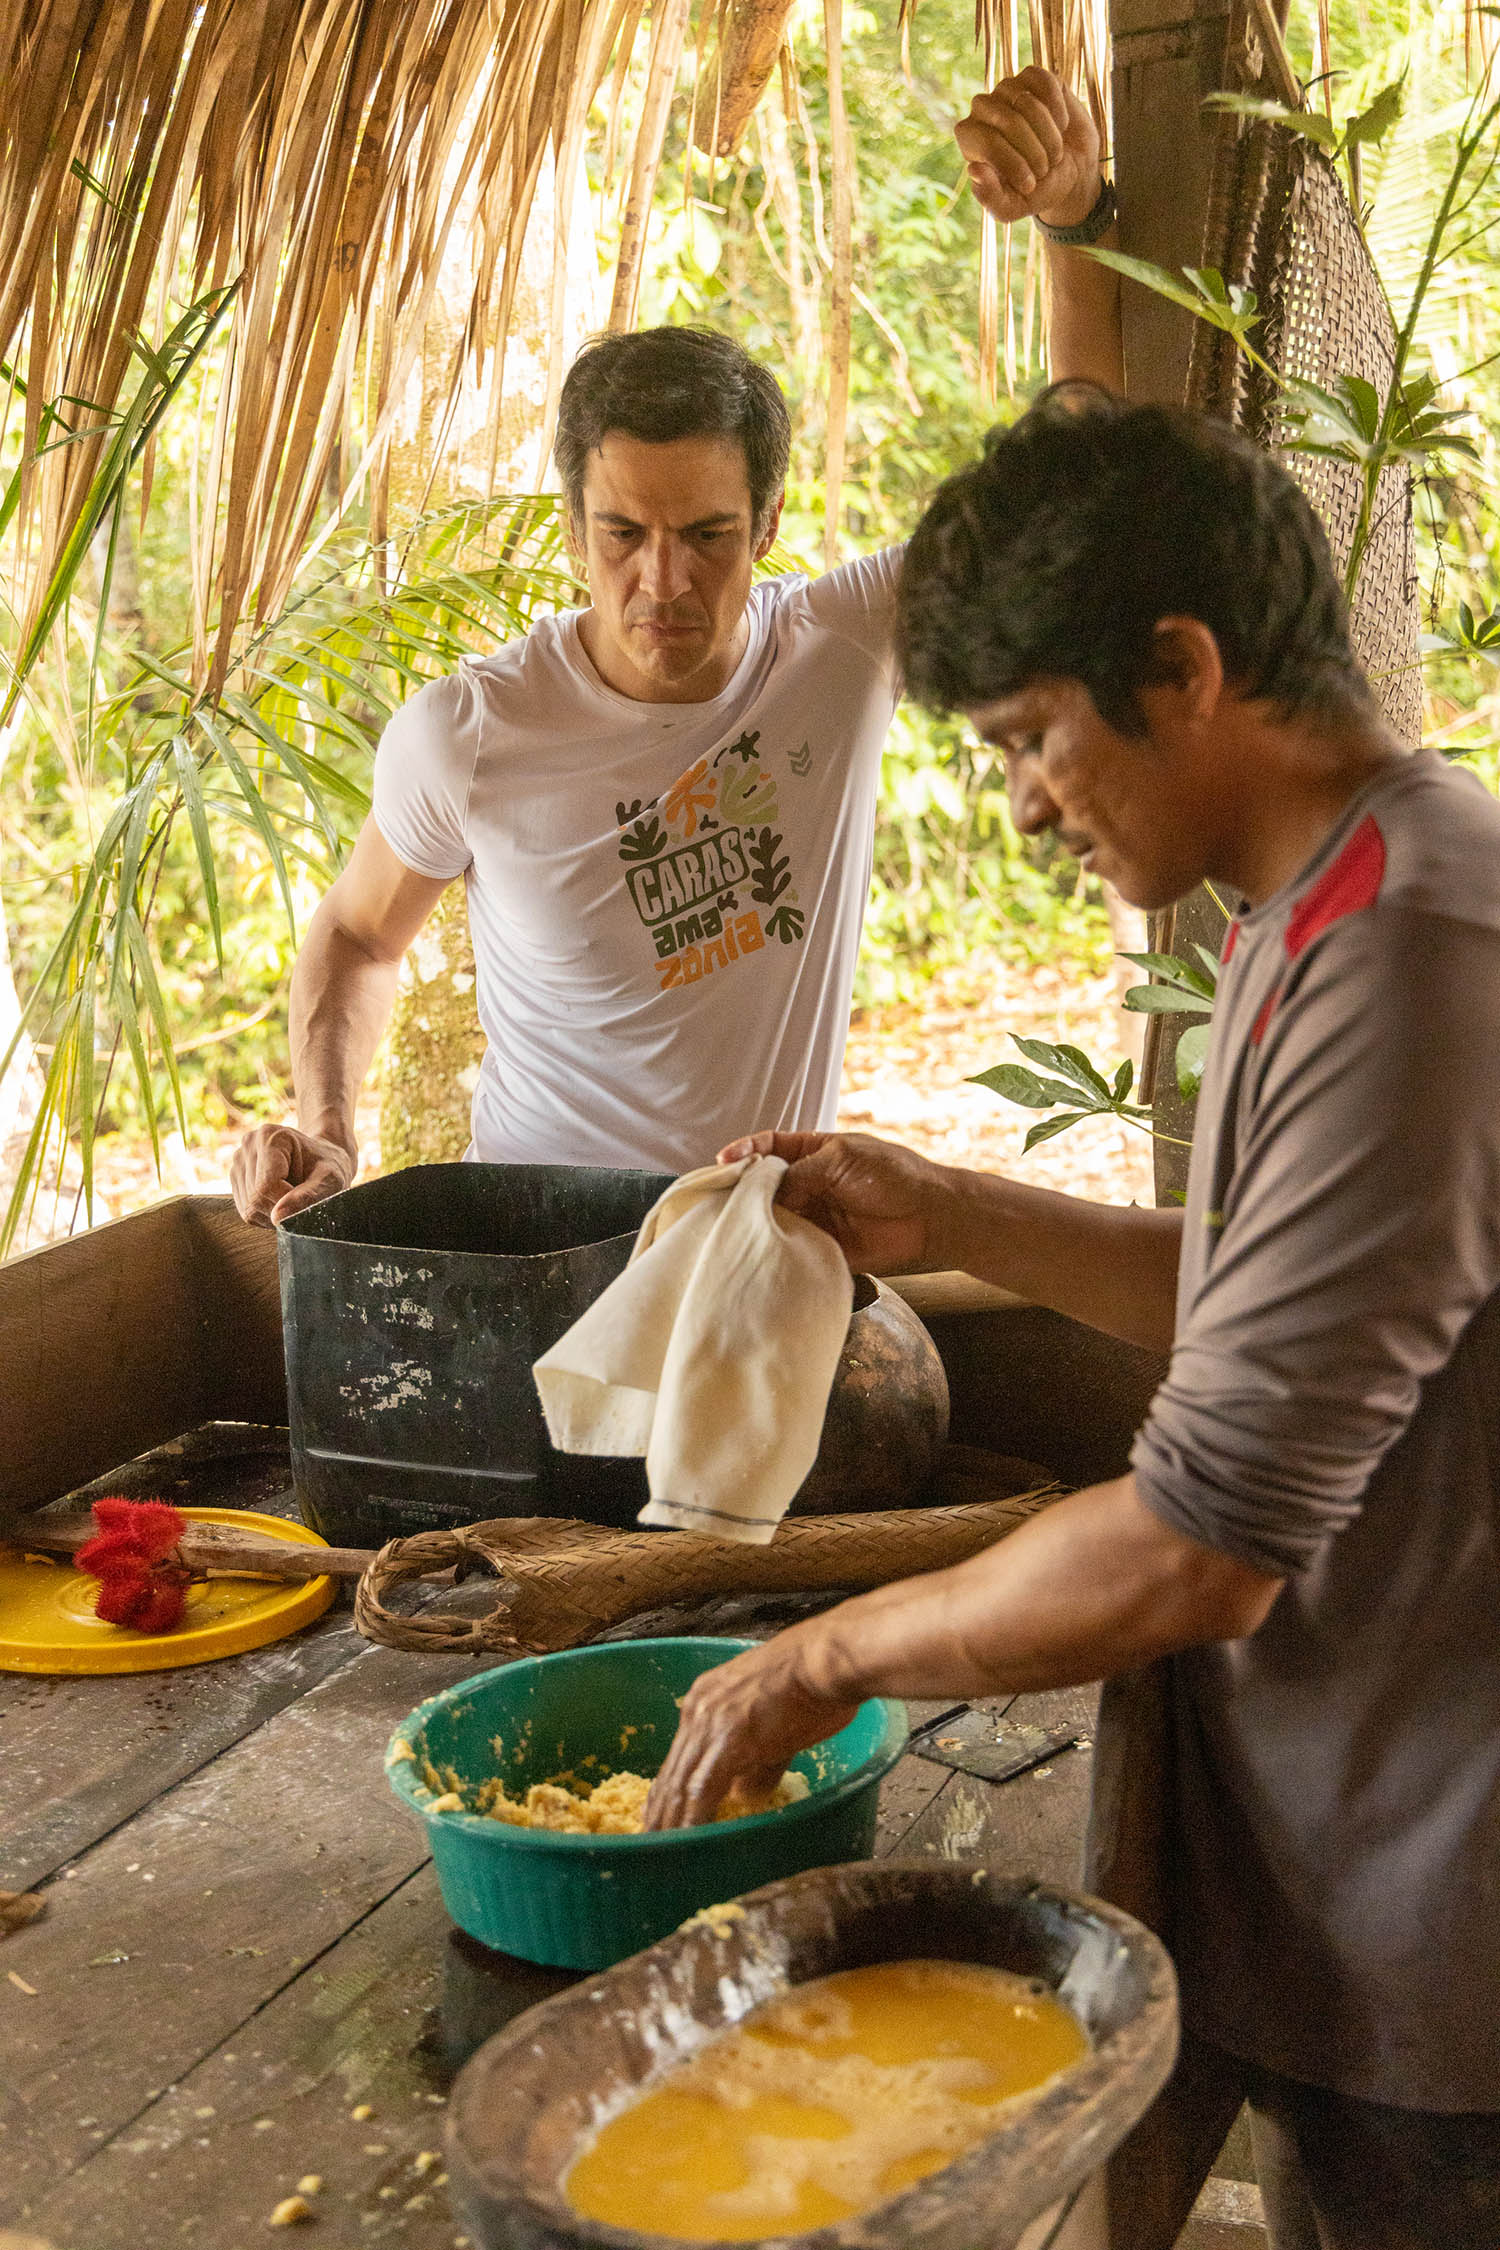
column 208, row 1547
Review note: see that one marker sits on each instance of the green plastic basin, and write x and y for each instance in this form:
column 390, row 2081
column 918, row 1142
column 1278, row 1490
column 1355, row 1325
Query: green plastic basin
column 585, row 1902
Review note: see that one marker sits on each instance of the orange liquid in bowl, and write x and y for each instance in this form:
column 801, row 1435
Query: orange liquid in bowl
column 826, row 2102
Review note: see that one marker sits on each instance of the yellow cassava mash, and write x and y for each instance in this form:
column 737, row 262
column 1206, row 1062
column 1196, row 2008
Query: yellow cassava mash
column 825, row 2102
column 615, row 1806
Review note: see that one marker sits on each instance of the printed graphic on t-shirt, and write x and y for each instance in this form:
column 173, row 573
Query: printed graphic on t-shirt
column 706, row 865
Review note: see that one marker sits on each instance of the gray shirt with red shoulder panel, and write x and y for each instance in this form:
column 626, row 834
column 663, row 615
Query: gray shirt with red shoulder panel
column 1331, row 1415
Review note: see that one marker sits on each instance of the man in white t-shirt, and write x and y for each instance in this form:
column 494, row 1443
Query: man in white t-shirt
column 662, row 805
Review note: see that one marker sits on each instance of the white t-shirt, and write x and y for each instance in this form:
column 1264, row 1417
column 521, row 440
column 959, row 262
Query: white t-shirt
column 665, row 898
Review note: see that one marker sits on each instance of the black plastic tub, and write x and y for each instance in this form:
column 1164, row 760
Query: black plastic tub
column 413, row 1307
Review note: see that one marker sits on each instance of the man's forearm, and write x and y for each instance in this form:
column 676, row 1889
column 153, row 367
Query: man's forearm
column 1084, row 339
column 1113, row 1267
column 1092, row 1586
column 341, row 998
column 1032, row 151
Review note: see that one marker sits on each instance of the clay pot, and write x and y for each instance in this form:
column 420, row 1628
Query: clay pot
column 521, row 2109
column 887, row 1413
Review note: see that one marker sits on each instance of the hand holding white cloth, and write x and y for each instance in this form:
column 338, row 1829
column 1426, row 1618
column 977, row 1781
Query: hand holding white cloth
column 712, row 1354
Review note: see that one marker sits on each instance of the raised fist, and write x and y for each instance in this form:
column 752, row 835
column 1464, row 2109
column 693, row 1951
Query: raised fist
column 1032, row 150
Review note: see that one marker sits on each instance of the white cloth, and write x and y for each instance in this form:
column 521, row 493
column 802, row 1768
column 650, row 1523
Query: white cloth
column 713, row 1354
column 665, row 899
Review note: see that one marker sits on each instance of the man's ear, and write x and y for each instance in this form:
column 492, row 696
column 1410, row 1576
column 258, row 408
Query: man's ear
column 573, row 540
column 767, row 539
column 1185, row 658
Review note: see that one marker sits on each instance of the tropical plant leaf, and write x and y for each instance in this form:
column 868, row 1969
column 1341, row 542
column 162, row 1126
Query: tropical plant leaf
column 1382, row 115
column 167, row 372
column 1179, row 975
column 1165, row 1000
column 1175, row 971
column 1157, row 278
column 1191, row 1055
column 1023, row 1087
column 1069, row 1062
column 282, row 753
column 1084, row 1090
column 1050, row 1127
column 1474, row 636
column 50, row 1119
column 203, row 842
column 83, row 1089
column 156, row 1008
column 1310, row 123
column 256, row 811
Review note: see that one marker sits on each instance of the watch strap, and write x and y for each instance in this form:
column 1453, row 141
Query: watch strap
column 1098, row 222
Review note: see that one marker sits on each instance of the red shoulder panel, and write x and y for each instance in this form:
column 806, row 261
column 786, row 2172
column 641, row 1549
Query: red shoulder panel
column 1267, row 1010
column 1347, row 887
column 1229, row 943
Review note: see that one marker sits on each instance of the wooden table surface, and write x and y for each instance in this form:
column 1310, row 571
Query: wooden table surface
column 244, row 1949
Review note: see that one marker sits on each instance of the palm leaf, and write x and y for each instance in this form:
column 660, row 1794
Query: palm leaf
column 283, row 753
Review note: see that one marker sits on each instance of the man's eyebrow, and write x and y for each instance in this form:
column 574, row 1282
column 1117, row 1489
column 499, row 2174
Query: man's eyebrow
column 702, row 523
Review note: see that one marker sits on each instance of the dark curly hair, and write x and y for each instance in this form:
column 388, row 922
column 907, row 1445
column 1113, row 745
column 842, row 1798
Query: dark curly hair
column 663, row 383
column 1090, row 519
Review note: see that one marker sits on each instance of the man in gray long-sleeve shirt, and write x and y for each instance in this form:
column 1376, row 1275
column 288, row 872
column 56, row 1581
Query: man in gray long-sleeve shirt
column 1139, row 608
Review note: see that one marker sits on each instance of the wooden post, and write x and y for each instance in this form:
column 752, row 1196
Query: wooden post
column 1168, row 55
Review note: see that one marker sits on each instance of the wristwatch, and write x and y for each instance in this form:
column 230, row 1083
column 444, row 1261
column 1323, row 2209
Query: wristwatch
column 1099, row 221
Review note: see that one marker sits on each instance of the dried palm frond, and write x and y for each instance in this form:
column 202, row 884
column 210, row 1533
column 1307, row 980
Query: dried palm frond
column 320, row 158
column 841, row 310
column 668, row 37
column 1070, row 37
column 748, row 45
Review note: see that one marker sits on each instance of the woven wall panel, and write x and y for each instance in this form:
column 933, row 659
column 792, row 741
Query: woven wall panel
column 1280, row 224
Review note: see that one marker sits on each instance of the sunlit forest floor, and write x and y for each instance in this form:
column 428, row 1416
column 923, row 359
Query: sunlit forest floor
column 904, row 1078
column 905, row 1072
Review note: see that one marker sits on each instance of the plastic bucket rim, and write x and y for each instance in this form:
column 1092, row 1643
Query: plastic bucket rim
column 418, row 1250
column 400, row 1772
column 513, row 1257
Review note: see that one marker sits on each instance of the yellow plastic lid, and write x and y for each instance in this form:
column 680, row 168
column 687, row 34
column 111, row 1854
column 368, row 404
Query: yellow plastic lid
column 47, row 1621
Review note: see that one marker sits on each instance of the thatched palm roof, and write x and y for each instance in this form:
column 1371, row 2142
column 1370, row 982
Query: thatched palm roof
column 296, row 169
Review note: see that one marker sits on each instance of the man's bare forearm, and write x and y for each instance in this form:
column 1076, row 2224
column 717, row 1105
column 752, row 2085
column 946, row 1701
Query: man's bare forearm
column 1084, row 316
column 1092, row 1586
column 341, row 999
column 1113, row 1267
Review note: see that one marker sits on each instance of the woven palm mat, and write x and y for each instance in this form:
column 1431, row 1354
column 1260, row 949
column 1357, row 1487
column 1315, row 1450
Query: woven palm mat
column 562, row 1583
column 1279, row 223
